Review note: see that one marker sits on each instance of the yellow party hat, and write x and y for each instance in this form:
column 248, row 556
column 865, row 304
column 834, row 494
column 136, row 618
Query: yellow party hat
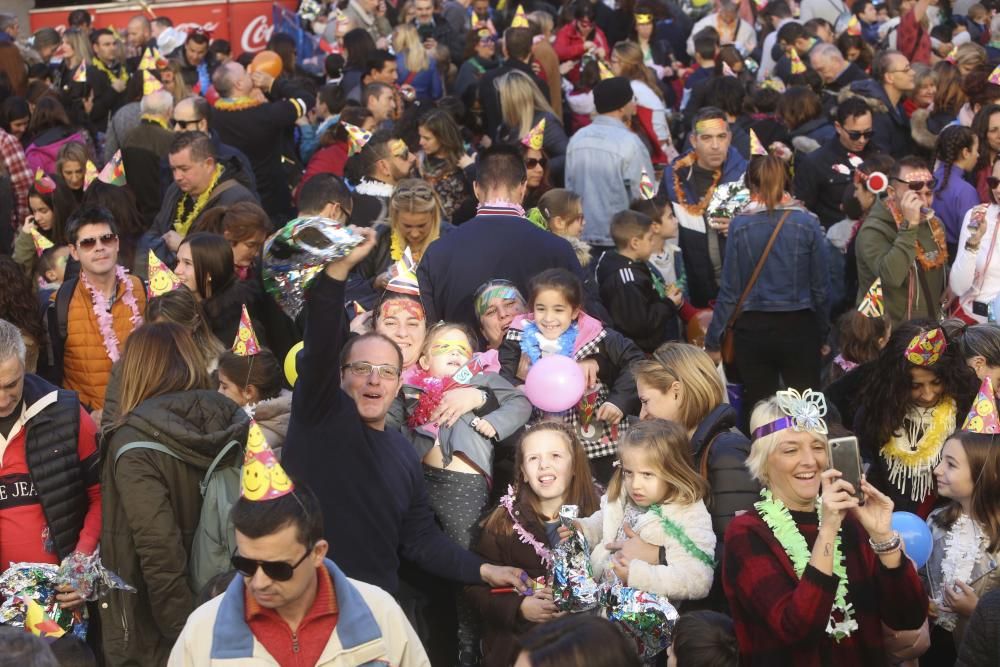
column 520, row 19
column 605, row 71
column 150, row 59
column 995, row 76
column 161, row 278
column 854, row 26
column 150, row 84
column 263, row 477
column 873, row 305
column 756, row 148
column 41, row 243
column 356, row 138
column 80, row 73
column 982, row 418
column 89, row 174
column 798, row 67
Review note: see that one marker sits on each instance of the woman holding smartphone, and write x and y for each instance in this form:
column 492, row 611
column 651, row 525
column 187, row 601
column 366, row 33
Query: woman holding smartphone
column 802, row 590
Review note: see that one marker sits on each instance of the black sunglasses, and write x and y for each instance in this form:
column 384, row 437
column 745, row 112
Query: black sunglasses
column 91, row 241
column 855, row 135
column 183, row 124
column 532, row 162
column 275, row 570
column 917, row 186
column 993, row 182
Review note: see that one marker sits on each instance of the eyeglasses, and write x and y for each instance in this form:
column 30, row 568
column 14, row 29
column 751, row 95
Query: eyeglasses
column 183, row 124
column 275, row 570
column 90, row 242
column 917, row 186
column 855, row 135
column 365, row 369
column 532, row 162
column 896, row 71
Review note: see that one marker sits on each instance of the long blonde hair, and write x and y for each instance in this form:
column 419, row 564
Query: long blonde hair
column 520, row 98
column 415, row 195
column 81, row 47
column 669, row 450
column 693, row 368
column 406, row 40
column 633, row 67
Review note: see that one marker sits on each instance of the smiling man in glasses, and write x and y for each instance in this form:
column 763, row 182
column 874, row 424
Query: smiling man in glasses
column 903, row 243
column 822, row 176
column 289, row 604
column 368, row 478
column 83, row 345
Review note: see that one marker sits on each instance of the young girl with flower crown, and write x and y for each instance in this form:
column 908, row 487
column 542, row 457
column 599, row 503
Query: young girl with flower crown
column 551, row 470
column 966, row 532
column 556, row 324
column 656, row 494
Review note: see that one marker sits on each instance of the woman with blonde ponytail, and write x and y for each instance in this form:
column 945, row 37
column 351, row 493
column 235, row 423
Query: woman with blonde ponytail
column 779, row 321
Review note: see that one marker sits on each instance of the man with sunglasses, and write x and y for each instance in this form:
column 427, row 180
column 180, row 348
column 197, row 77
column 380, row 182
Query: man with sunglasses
column 903, row 243
column 292, row 605
column 821, row 177
column 892, row 78
column 368, row 478
column 385, row 161
column 83, row 347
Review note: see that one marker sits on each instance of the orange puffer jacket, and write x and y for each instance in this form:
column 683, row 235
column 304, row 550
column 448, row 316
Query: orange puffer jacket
column 86, row 365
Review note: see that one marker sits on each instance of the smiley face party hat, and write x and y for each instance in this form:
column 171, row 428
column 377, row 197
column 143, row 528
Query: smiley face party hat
column 263, row 478
column 536, row 137
column 983, row 418
column 246, row 344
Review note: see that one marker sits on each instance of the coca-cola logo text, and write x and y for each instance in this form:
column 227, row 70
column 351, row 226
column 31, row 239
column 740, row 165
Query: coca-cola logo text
column 190, row 27
column 256, row 34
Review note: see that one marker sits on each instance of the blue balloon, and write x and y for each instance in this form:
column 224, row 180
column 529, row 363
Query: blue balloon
column 916, row 536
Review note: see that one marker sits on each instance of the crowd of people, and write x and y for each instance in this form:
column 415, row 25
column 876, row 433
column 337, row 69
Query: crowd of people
column 628, row 275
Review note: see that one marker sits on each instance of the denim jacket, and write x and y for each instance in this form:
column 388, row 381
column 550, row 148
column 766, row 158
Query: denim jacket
column 605, row 161
column 795, row 275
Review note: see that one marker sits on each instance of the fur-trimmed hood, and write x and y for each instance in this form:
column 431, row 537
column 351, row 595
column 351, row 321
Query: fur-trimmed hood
column 581, row 248
column 870, row 92
column 922, row 134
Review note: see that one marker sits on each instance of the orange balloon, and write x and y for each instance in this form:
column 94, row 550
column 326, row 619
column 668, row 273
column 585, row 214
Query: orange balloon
column 268, row 62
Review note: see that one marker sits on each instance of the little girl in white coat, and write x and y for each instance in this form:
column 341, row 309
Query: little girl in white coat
column 658, row 495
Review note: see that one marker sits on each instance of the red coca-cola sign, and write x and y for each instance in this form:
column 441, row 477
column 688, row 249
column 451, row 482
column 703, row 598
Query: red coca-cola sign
column 246, row 24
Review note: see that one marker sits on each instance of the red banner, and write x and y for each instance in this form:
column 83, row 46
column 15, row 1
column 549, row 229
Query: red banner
column 246, row 24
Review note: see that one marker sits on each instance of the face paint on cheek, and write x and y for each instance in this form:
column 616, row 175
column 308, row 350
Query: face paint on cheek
column 401, row 307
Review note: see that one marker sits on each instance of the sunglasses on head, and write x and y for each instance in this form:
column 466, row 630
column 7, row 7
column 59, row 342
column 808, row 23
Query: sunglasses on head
column 855, row 135
column 532, row 162
column 275, row 570
column 917, row 186
column 91, row 241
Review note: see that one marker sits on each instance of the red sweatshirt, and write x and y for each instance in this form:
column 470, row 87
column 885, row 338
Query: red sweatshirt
column 24, row 532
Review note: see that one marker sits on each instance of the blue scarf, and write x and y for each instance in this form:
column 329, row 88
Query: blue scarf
column 530, row 346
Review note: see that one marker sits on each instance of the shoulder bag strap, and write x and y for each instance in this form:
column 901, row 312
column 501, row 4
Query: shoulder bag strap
column 155, row 446
column 756, row 271
column 215, row 464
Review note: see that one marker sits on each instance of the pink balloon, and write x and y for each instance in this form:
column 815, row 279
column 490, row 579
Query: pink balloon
column 554, row 383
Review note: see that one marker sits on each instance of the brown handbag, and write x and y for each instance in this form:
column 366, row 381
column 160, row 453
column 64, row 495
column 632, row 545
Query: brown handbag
column 727, row 348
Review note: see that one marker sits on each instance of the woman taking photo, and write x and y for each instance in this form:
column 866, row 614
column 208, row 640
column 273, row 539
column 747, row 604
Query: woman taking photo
column 680, row 383
column 780, row 325
column 205, row 265
column 151, row 499
column 442, row 160
column 414, row 223
column 415, row 67
column 523, row 108
column 920, row 386
column 805, row 592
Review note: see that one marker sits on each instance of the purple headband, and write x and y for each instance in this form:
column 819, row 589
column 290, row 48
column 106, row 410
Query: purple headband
column 776, row 425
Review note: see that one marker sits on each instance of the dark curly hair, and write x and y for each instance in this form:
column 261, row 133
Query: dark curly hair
column 886, row 396
column 18, row 303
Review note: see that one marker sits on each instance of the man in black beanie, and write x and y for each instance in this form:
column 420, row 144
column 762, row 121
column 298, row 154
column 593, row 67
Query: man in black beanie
column 606, row 160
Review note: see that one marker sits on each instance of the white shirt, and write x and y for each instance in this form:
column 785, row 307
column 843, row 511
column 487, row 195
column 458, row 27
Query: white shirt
column 967, row 264
column 746, row 37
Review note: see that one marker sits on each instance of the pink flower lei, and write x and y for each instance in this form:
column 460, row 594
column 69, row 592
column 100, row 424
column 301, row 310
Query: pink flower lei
column 105, row 320
column 523, row 533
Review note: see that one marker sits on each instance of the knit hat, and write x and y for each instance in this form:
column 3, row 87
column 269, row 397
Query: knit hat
column 612, row 94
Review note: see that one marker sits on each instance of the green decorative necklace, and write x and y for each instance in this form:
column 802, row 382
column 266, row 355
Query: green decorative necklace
column 777, row 517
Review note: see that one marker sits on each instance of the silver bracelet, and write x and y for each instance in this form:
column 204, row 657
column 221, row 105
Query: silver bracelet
column 888, row 546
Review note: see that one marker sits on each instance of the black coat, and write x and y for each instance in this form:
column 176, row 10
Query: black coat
column 484, row 248
column 819, row 186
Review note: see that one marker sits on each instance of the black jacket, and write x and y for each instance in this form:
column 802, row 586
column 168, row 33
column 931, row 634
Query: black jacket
column 106, row 99
column 260, row 132
column 484, row 248
column 637, row 309
column 819, row 185
column 223, row 153
column 891, row 125
column 444, row 35
column 51, row 451
column 142, row 151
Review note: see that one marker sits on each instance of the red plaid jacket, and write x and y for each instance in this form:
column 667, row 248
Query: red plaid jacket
column 781, row 620
column 14, row 164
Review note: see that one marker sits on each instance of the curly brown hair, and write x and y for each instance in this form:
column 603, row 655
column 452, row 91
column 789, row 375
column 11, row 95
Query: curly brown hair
column 18, row 303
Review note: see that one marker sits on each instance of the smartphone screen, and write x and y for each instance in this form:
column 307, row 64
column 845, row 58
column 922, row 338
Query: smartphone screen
column 845, row 457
